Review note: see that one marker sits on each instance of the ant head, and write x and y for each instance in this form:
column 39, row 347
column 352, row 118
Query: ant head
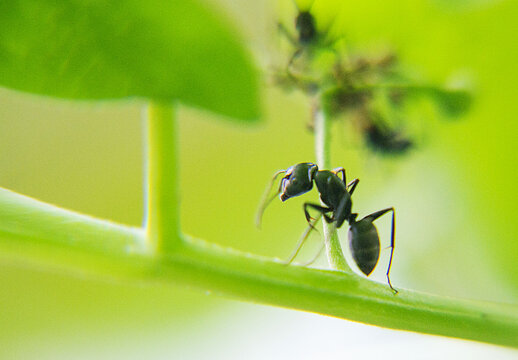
column 298, row 180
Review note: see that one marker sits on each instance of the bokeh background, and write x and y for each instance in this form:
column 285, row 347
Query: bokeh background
column 454, row 194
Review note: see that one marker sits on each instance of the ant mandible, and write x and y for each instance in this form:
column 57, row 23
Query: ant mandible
column 335, row 193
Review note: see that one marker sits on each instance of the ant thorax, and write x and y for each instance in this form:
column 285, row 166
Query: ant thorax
column 333, row 193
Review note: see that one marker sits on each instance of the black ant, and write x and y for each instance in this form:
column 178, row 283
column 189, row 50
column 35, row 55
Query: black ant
column 306, row 33
column 335, row 193
column 307, row 37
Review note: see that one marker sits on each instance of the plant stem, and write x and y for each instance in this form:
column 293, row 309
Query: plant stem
column 334, row 251
column 162, row 218
column 35, row 233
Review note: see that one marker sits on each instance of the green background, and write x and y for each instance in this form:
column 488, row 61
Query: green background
column 454, row 194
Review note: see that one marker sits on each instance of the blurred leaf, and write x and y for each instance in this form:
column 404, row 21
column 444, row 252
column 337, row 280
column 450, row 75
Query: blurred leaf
column 463, row 5
column 452, row 102
column 97, row 49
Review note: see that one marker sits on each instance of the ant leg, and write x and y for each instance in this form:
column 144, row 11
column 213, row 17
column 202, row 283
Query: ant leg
column 352, row 185
column 340, row 170
column 321, row 209
column 302, row 239
column 307, row 263
column 265, row 201
column 286, row 32
column 337, row 216
column 293, row 57
column 373, row 217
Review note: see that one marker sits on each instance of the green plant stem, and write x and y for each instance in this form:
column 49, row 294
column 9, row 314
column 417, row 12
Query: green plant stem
column 162, row 218
column 35, row 233
column 334, row 251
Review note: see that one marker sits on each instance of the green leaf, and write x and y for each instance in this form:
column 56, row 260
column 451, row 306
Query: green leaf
column 38, row 234
column 98, row 49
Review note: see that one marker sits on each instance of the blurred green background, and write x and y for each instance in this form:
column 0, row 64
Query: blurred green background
column 454, row 196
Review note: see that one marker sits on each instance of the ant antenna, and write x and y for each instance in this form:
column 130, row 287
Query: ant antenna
column 311, row 261
column 302, row 240
column 265, row 200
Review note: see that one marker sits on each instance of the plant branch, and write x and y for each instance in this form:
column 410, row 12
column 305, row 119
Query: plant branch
column 162, row 218
column 334, row 251
column 32, row 232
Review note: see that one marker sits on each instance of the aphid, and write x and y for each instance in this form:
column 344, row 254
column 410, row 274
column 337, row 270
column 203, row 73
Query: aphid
column 306, row 28
column 335, row 193
column 378, row 135
column 385, row 140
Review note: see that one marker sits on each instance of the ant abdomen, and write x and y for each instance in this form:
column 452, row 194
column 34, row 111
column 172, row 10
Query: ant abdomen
column 365, row 245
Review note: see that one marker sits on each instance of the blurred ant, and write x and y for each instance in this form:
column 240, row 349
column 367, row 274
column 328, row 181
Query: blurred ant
column 306, row 33
column 335, row 193
column 306, row 37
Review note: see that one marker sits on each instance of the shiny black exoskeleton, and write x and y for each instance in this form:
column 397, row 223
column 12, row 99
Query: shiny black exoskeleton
column 335, row 194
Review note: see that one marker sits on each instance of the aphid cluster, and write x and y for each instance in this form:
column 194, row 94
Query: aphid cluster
column 335, row 194
column 368, row 91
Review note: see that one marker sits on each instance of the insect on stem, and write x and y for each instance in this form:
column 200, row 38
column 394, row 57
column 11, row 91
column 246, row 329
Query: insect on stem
column 336, row 209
